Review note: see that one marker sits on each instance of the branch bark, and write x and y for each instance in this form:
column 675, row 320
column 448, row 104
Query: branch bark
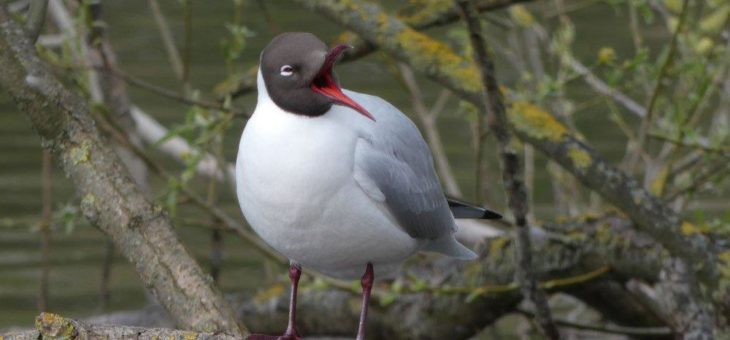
column 110, row 199
column 52, row 326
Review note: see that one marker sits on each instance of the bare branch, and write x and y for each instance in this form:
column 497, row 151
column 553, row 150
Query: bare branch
column 167, row 39
column 608, row 329
column 492, row 103
column 45, row 228
column 428, row 122
column 646, row 123
column 36, row 18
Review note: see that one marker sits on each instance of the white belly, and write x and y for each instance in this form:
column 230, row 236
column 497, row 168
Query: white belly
column 296, row 189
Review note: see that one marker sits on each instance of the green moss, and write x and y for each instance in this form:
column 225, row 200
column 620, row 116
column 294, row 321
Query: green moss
column 580, row 158
column 535, row 122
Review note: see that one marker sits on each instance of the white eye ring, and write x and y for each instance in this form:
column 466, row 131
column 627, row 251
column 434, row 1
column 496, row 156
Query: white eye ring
column 286, row 70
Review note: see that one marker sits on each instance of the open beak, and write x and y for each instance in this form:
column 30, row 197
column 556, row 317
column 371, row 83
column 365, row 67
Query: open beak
column 325, row 83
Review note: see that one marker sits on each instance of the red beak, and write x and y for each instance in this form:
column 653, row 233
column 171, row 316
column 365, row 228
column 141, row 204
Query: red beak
column 325, row 83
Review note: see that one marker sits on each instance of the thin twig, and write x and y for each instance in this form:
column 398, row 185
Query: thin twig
column 187, row 48
column 132, row 80
column 702, row 179
column 608, row 329
column 45, row 228
column 428, row 122
column 658, row 86
column 722, row 151
column 167, row 39
column 106, row 273
column 516, row 192
column 476, row 291
column 36, row 18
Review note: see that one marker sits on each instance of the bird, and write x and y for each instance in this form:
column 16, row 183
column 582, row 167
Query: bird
column 339, row 182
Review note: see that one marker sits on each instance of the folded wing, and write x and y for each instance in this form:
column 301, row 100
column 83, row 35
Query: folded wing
column 395, row 161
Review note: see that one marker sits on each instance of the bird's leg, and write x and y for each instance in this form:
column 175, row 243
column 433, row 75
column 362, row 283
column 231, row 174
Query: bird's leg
column 295, row 271
column 367, row 286
column 291, row 329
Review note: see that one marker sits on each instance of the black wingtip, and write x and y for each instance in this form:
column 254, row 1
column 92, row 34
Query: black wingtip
column 461, row 209
column 491, row 215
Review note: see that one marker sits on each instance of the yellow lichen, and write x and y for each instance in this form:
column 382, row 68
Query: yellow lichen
column 54, row 326
column 80, row 154
column 689, row 229
column 345, row 37
column 428, row 53
column 580, row 158
column 522, row 16
column 88, row 200
column 724, row 266
column 535, row 122
column 606, row 55
column 496, row 246
column 716, row 20
column 190, row 336
column 657, row 185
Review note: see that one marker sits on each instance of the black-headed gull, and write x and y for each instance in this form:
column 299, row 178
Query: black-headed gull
column 338, row 181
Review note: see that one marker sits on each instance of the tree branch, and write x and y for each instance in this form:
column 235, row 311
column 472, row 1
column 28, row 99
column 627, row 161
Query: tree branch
column 52, row 326
column 110, row 200
column 36, row 18
column 493, row 105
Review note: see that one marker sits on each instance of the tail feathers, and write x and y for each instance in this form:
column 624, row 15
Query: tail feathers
column 448, row 245
column 461, row 209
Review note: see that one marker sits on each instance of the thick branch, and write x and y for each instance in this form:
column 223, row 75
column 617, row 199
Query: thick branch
column 492, row 103
column 52, row 326
column 110, row 200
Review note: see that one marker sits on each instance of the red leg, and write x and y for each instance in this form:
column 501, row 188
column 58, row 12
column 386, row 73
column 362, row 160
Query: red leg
column 291, row 329
column 367, row 286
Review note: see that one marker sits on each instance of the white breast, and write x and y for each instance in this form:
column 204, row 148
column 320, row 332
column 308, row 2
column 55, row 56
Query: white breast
column 295, row 185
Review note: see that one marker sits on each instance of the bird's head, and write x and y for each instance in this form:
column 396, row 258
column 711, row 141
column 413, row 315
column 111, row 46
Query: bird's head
column 297, row 69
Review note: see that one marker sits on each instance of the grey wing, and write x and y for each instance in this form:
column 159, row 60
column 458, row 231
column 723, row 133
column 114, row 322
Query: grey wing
column 398, row 163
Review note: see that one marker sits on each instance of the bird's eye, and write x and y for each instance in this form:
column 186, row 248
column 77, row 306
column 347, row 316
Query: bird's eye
column 286, row 70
